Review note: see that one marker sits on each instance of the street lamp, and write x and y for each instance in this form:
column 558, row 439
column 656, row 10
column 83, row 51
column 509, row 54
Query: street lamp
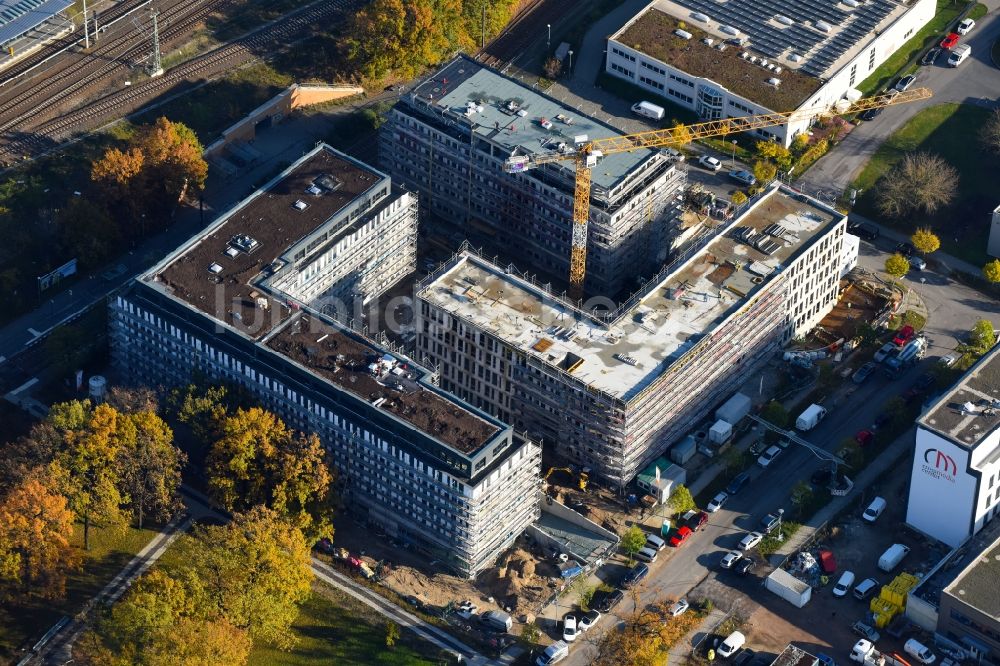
column 781, row 512
column 548, row 40
column 571, row 63
column 734, row 153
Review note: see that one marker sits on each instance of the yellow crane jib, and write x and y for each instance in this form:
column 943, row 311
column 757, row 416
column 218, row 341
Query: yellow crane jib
column 587, row 154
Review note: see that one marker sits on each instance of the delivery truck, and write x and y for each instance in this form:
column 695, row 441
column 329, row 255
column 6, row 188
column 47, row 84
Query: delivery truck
column 810, row 417
column 892, row 557
column 907, row 356
column 648, row 110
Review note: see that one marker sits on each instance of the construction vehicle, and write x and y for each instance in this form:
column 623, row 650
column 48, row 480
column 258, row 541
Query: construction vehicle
column 581, row 479
column 587, row 153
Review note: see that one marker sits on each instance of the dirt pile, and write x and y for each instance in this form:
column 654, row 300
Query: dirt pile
column 521, row 583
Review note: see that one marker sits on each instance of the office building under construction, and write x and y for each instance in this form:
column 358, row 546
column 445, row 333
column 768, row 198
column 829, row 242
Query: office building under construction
column 449, row 137
column 612, row 392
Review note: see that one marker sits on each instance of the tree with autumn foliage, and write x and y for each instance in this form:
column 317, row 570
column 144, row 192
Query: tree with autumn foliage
column 150, row 468
column 36, row 528
column 644, row 637
column 258, row 460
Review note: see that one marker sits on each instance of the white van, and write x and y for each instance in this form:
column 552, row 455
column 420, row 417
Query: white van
column 959, row 54
column 844, row 584
column 648, row 110
column 655, row 542
column 646, row 554
column 732, row 644
column 553, row 654
column 874, row 510
column 919, row 651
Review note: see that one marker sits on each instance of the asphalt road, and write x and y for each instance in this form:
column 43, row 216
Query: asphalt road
column 976, row 81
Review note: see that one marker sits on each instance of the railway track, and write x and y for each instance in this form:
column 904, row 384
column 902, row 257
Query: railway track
column 224, row 58
column 526, row 29
column 115, row 54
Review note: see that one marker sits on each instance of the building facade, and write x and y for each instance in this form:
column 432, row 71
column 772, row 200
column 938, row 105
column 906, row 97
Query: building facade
column 432, row 471
column 612, row 393
column 955, row 478
column 744, row 57
column 450, row 137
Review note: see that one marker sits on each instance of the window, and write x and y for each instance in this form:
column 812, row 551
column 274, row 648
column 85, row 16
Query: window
column 854, row 74
column 871, row 59
column 618, row 68
column 680, row 79
column 650, row 82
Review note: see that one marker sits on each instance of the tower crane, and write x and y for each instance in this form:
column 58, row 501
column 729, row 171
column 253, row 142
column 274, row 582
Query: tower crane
column 586, row 153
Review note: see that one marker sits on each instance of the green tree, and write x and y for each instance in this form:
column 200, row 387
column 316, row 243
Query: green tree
column 680, row 500
column 982, row 337
column 764, row 171
column 738, row 197
column 925, row 240
column 991, row 271
column 633, row 541
column 776, row 152
column 391, row 634
column 531, row 633
column 203, row 410
column 87, row 232
column 584, row 591
column 775, row 413
column 150, row 467
column 802, row 495
column 897, row 266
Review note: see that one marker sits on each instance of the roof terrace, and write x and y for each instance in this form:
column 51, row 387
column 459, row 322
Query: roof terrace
column 969, row 410
column 624, row 356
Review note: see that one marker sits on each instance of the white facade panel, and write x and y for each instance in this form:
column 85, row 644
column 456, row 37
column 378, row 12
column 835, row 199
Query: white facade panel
column 942, row 491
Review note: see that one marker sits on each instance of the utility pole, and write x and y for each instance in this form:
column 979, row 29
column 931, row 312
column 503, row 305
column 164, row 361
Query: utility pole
column 155, row 65
column 86, row 32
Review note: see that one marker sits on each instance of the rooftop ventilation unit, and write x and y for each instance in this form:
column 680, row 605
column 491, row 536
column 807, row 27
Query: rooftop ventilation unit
column 774, row 81
column 754, row 59
column 683, row 34
column 328, row 182
column 707, row 41
column 745, row 55
column 244, row 243
column 729, row 30
column 771, row 66
column 721, row 46
column 232, row 252
column 214, row 268
column 777, row 69
column 823, row 25
column 783, row 19
column 852, row 3
column 300, row 205
column 698, row 16
column 314, row 190
column 763, row 62
column 795, row 57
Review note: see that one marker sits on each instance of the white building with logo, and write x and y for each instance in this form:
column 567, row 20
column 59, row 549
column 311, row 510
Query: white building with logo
column 746, row 57
column 955, row 480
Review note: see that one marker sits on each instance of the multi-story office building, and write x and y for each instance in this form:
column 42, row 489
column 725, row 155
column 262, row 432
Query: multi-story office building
column 955, row 480
column 433, row 471
column 449, row 137
column 746, row 57
column 612, row 392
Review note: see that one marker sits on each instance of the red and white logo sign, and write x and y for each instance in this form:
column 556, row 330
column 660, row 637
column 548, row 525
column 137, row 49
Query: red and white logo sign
column 940, row 465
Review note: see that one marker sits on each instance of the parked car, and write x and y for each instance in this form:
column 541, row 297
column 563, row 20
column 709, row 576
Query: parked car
column 871, row 114
column 769, row 522
column 965, row 27
column 903, row 335
column 905, row 82
column 680, row 536
column 606, row 601
column 768, row 456
column 919, row 651
column 843, row 585
column 825, row 659
column 588, row 619
column 947, row 360
column 865, row 631
column 695, row 520
column 673, row 154
column 731, row 645
column 863, row 373
column 918, row 262
column 466, row 610
column 710, row 163
column 751, row 540
column 633, row 576
column 717, row 502
column 882, row 353
column 745, row 567
column 865, row 588
column 553, row 654
column 905, row 249
column 950, row 41
column 864, row 230
column 743, row 176
column 730, row 559
column 646, row 554
column 864, row 437
column 570, row 630
column 736, row 485
column 679, row 608
column 930, row 56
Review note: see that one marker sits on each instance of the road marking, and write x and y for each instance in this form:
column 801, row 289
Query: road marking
column 34, row 332
column 26, row 385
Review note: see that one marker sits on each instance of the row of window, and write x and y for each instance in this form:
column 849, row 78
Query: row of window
column 621, row 70
column 618, row 52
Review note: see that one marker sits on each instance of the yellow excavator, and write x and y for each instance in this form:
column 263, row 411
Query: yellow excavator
column 587, row 154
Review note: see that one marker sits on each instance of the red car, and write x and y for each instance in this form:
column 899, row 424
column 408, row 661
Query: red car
column 950, row 41
column 680, row 536
column 903, row 336
column 864, row 437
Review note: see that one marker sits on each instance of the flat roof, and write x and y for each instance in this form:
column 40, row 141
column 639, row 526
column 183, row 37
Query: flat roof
column 271, row 221
column 464, row 81
column 955, row 561
column 970, row 410
column 625, row 356
column 816, row 37
column 19, row 16
column 652, row 33
column 347, row 362
column 575, row 539
column 794, row 656
column 979, row 583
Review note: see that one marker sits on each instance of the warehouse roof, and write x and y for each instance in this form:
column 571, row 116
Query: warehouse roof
column 970, row 410
column 19, row 16
column 514, row 116
column 625, row 356
column 978, row 584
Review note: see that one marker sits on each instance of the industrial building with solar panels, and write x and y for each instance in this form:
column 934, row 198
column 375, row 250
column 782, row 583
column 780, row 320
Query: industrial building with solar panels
column 746, row 57
column 26, row 25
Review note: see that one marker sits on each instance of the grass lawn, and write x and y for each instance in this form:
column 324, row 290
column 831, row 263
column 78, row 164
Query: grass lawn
column 109, row 552
column 948, row 130
column 947, row 12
